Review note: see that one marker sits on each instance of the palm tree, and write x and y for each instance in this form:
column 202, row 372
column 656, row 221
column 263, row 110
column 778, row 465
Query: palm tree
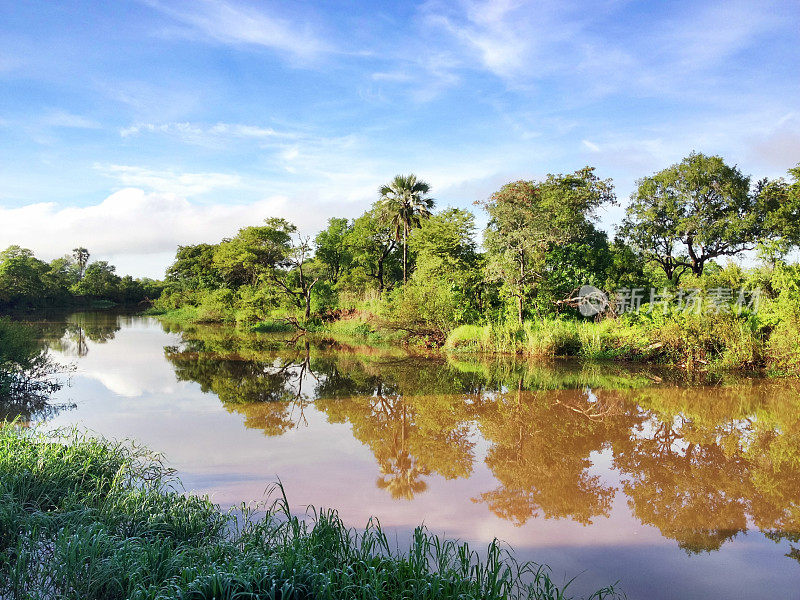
column 405, row 202
column 81, row 255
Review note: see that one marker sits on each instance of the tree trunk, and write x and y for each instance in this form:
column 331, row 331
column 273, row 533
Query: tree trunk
column 697, row 263
column 521, row 285
column 405, row 251
column 308, row 305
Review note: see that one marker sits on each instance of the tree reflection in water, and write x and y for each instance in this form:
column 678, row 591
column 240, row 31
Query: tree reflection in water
column 71, row 334
column 541, row 442
column 697, row 462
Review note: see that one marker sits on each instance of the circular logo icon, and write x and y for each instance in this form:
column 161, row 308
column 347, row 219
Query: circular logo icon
column 591, row 301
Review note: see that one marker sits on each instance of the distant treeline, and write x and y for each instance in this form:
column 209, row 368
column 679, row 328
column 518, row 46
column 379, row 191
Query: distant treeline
column 27, row 282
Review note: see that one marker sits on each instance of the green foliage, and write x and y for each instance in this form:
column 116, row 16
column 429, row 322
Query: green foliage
column 405, row 204
column 115, row 528
column 373, row 245
column 99, row 280
column 586, row 260
column 29, row 283
column 426, row 308
column 411, row 273
column 334, row 249
column 254, row 253
column 444, row 245
column 21, row 276
column 779, row 205
column 691, row 213
column 468, row 337
column 527, row 219
column 194, row 268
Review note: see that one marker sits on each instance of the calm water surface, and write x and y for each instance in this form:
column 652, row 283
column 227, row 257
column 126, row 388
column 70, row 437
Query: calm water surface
column 675, row 490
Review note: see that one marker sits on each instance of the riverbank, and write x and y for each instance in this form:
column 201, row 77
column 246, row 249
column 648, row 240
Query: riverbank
column 693, row 341
column 88, row 518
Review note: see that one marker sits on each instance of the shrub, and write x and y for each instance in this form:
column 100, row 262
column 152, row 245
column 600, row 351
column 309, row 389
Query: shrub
column 469, row 337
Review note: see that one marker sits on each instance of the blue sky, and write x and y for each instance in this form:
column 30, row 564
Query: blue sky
column 132, row 126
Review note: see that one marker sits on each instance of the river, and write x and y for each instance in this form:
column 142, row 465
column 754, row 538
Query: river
column 674, row 488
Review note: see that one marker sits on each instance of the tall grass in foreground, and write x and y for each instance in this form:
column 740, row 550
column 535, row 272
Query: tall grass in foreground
column 84, row 518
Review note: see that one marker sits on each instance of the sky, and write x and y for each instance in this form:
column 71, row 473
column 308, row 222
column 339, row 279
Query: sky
column 130, row 127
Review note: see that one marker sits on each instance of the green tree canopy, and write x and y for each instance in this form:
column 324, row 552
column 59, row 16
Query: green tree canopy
column 99, row 280
column 332, row 248
column 779, row 203
column 527, row 218
column 372, row 243
column 20, row 275
column 194, row 266
column 254, row 252
column 691, row 213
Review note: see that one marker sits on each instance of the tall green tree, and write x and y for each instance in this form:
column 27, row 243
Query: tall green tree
column 332, row 248
column 373, row 246
column 194, row 267
column 254, row 253
column 444, row 245
column 99, row 281
column 81, row 256
column 405, row 202
column 779, row 204
column 528, row 218
column 21, row 277
column 445, row 289
column 691, row 213
column 297, row 274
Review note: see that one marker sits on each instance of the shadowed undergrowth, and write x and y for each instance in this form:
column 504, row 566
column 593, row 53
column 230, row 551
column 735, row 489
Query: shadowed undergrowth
column 86, row 518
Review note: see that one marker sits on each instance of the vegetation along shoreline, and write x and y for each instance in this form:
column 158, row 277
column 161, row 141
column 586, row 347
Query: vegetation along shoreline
column 665, row 287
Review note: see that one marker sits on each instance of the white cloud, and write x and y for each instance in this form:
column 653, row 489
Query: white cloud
column 393, row 76
column 197, row 132
column 591, row 146
column 779, row 147
column 233, row 23
column 706, row 35
column 524, row 42
column 510, row 38
column 132, row 221
column 170, row 182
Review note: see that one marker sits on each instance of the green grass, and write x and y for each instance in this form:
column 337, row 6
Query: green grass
column 361, row 331
column 84, row 518
column 184, row 314
column 724, row 341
